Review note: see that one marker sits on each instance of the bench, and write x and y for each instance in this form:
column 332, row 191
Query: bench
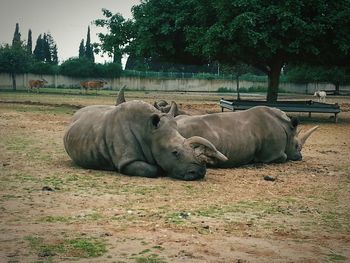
column 309, row 106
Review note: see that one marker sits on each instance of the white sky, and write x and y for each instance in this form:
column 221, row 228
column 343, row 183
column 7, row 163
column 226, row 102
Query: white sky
column 66, row 20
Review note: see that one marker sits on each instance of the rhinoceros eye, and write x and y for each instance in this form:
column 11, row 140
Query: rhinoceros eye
column 175, row 153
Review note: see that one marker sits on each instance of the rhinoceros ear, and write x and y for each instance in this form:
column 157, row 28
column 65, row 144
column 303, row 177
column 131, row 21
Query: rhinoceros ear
column 294, row 121
column 173, row 111
column 155, row 119
column 205, row 151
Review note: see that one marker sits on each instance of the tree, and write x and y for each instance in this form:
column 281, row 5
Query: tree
column 81, row 49
column 116, row 42
column 29, row 42
column 308, row 73
column 39, row 52
column 51, row 50
column 89, row 53
column 264, row 34
column 54, row 55
column 16, row 41
column 47, row 49
column 13, row 60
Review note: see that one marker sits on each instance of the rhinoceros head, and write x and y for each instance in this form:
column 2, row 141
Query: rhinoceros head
column 180, row 158
column 296, row 141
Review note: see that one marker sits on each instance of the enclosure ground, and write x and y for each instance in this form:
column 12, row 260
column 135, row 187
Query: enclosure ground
column 55, row 211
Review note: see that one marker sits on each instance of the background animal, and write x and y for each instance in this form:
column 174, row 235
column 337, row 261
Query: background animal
column 36, row 84
column 134, row 138
column 321, row 96
column 93, row 84
column 258, row 135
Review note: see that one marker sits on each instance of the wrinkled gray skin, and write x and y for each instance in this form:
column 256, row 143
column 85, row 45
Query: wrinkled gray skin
column 134, row 138
column 258, row 135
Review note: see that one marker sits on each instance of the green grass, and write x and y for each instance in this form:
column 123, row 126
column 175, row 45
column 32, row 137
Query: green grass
column 336, row 257
column 72, row 248
column 153, row 258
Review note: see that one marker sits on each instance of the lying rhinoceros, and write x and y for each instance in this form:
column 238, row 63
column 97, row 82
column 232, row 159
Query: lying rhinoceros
column 260, row 134
column 134, row 138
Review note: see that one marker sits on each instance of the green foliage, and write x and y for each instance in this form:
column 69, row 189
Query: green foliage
column 116, row 41
column 264, row 34
column 39, row 68
column 16, row 41
column 77, row 67
column 29, row 42
column 39, row 53
column 82, row 67
column 45, row 49
column 89, row 54
column 76, row 248
column 81, row 49
column 308, row 73
column 14, row 59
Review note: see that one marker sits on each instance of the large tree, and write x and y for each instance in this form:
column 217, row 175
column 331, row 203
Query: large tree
column 116, row 42
column 265, row 34
column 30, row 42
column 89, row 53
column 13, row 60
column 16, row 40
column 81, row 49
column 39, row 51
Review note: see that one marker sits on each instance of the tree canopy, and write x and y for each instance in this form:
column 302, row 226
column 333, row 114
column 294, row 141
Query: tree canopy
column 14, row 59
column 116, row 42
column 264, row 34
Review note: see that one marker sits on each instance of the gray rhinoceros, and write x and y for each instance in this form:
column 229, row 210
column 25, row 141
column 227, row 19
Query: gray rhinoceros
column 258, row 135
column 134, row 138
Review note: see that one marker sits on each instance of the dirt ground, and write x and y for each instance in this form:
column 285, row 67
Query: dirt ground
column 54, row 211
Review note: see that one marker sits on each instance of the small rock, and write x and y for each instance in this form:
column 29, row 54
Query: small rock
column 47, row 188
column 269, row 178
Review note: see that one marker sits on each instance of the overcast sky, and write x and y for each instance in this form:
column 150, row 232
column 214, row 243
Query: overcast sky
column 66, row 20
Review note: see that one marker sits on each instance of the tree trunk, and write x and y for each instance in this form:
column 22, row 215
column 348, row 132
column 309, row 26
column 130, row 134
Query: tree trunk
column 273, row 82
column 237, row 82
column 13, row 75
column 337, row 89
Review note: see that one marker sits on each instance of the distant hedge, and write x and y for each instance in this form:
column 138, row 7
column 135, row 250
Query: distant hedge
column 82, row 67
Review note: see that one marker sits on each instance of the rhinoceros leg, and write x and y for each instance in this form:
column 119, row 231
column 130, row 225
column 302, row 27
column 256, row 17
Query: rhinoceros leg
column 139, row 168
column 281, row 159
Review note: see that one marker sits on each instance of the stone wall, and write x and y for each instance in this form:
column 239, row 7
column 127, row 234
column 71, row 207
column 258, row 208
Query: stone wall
column 179, row 84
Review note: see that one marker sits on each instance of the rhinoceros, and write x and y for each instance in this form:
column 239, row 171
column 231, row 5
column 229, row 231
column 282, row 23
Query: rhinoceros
column 258, row 135
column 134, row 138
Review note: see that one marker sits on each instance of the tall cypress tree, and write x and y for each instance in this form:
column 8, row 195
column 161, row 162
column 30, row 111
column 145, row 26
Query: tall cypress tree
column 88, row 47
column 54, row 55
column 16, row 41
column 29, row 42
column 81, row 49
column 38, row 52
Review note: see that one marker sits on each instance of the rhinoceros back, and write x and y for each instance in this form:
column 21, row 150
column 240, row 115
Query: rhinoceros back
column 84, row 139
column 105, row 137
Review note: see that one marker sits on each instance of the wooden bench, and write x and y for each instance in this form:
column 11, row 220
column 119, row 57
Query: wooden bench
column 309, row 106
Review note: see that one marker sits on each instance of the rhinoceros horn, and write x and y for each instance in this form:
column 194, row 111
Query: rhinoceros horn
column 173, row 111
column 210, row 154
column 306, row 135
column 120, row 97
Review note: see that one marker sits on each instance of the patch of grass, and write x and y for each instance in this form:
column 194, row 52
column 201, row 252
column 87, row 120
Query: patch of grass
column 86, row 247
column 336, row 220
column 53, row 219
column 175, row 218
column 75, row 248
column 153, row 258
column 336, row 257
